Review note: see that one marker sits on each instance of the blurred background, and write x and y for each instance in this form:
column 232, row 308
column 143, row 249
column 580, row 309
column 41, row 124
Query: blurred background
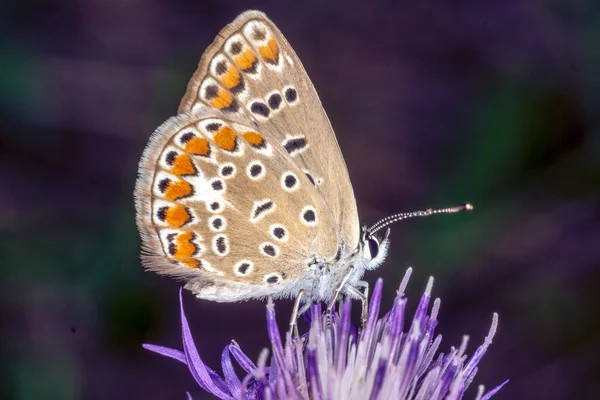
column 434, row 103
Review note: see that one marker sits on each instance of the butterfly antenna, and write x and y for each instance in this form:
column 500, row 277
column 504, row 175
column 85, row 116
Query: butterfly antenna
column 423, row 213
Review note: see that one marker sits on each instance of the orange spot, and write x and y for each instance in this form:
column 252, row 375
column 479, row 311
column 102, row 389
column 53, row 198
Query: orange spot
column 177, row 216
column 191, row 262
column 225, row 138
column 270, row 51
column 223, row 99
column 232, row 78
column 245, row 60
column 253, row 138
column 185, row 247
column 197, row 146
column 183, row 165
column 177, row 190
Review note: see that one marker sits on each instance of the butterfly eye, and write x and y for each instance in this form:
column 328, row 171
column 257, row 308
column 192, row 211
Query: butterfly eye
column 372, row 248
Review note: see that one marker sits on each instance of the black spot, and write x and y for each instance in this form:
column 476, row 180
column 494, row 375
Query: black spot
column 267, row 205
column 373, row 247
column 279, row 232
column 171, row 236
column 258, row 34
column 162, row 213
column 170, row 158
column 275, row 101
column 163, row 185
column 269, row 250
column 309, row 216
column 214, row 206
column 213, row 127
column 291, row 95
column 283, row 275
column 221, row 68
column 260, row 109
column 172, row 249
column 295, row 145
column 338, row 254
column 186, row 137
column 233, row 107
column 73, row 330
column 221, row 245
column 239, row 87
column 290, row 181
column 252, row 69
column 217, row 223
column 196, row 249
column 227, row 170
column 217, row 185
column 243, row 268
column 255, row 170
column 236, row 48
column 310, row 178
column 211, row 92
column 273, row 279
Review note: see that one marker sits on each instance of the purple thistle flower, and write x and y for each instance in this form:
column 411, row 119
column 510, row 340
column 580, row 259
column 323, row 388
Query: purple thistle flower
column 337, row 361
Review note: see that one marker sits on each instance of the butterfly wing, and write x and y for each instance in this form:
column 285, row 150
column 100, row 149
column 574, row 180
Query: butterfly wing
column 225, row 209
column 250, row 70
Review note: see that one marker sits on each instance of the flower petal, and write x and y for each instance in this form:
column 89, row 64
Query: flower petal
column 197, row 367
column 233, row 382
column 166, row 351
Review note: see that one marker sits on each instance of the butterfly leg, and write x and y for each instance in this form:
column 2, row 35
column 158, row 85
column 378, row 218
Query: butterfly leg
column 297, row 311
column 363, row 296
column 337, row 294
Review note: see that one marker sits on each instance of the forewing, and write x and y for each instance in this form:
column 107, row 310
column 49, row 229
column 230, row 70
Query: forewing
column 251, row 71
column 223, row 207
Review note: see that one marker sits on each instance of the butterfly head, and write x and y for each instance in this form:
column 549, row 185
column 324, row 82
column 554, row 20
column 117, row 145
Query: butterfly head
column 373, row 248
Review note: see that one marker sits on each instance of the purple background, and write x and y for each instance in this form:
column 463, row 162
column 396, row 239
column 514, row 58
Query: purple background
column 434, row 103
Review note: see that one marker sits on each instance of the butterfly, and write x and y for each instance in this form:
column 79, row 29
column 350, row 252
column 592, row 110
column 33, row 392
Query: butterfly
column 244, row 194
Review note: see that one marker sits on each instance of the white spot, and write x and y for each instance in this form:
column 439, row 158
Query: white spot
column 227, row 170
column 269, row 249
column 261, row 208
column 220, row 245
column 206, row 83
column 217, row 223
column 289, row 59
column 206, row 265
column 243, row 268
column 273, row 278
column 256, row 170
column 218, row 59
column 250, row 29
column 289, row 181
column 279, row 232
column 308, row 216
